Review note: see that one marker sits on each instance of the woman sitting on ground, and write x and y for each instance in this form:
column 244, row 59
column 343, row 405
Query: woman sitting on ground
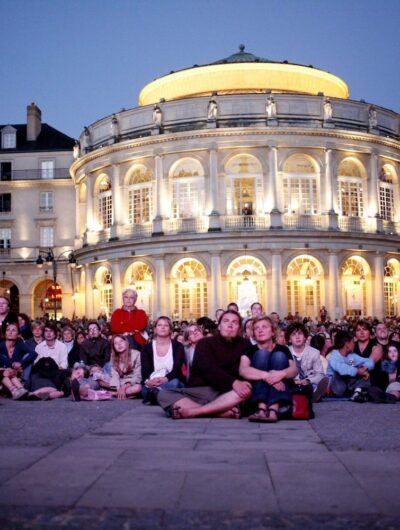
column 163, row 361
column 125, row 368
column 15, row 354
column 193, row 334
column 271, row 370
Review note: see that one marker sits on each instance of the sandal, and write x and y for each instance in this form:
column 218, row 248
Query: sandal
column 261, row 416
column 173, row 413
column 274, row 418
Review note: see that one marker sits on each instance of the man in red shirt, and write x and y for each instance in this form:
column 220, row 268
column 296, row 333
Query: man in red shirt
column 129, row 320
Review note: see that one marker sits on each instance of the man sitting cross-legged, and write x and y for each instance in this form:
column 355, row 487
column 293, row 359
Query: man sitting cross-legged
column 214, row 387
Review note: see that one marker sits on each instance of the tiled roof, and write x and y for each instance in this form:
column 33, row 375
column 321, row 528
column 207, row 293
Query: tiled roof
column 49, row 139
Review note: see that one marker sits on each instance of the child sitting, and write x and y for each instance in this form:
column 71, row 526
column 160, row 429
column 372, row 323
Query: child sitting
column 347, row 371
column 9, row 379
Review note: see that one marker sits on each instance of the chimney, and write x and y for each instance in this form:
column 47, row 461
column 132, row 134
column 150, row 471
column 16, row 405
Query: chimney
column 34, row 122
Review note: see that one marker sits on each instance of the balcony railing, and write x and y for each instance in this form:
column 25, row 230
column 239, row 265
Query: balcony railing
column 184, row 226
column 354, row 224
column 39, row 174
column 245, row 222
column 136, row 230
column 304, row 222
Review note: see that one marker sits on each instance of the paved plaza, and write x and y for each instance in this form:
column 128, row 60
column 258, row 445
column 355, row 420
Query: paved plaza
column 123, row 465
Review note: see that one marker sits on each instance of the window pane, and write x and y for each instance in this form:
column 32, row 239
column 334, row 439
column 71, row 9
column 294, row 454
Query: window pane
column 47, row 167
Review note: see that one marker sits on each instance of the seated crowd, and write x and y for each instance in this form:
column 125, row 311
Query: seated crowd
column 224, row 367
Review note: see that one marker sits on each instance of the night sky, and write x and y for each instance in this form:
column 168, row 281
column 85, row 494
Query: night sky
column 81, row 60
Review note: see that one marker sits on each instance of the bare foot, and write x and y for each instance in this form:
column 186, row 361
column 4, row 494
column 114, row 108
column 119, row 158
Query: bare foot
column 234, row 414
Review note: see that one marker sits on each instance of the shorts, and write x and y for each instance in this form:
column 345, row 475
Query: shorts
column 199, row 394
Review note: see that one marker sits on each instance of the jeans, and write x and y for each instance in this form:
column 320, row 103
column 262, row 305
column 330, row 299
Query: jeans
column 342, row 385
column 262, row 391
column 149, row 394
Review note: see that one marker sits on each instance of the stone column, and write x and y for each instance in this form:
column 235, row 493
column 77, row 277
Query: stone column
column 377, row 286
column 116, row 283
column 89, row 294
column 329, row 192
column 160, row 297
column 276, row 283
column 117, row 202
column 373, row 187
column 89, row 204
column 158, row 220
column 78, row 228
column 216, row 285
column 276, row 221
column 213, row 203
column 333, row 303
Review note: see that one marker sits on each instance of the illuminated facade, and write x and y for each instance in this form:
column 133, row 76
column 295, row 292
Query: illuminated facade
column 242, row 180
column 217, row 189
column 37, row 212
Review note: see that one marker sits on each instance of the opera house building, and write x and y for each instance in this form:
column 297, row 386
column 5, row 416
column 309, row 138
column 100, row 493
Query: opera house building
column 240, row 180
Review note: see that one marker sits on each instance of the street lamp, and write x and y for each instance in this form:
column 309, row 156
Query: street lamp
column 52, row 260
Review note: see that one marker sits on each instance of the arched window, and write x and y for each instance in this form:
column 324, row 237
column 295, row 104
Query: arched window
column 304, row 284
column 140, row 277
column 386, row 193
column 350, row 189
column 140, row 195
column 187, row 180
column 103, row 283
column 390, row 287
column 105, row 206
column 189, row 284
column 244, row 186
column 355, row 274
column 246, row 282
column 300, row 185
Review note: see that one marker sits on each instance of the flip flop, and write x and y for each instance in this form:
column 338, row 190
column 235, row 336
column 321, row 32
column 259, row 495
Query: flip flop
column 259, row 417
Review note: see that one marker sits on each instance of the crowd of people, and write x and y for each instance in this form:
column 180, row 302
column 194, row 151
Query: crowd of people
column 224, row 367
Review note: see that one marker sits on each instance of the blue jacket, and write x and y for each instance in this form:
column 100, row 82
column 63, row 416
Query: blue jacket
column 22, row 354
column 347, row 365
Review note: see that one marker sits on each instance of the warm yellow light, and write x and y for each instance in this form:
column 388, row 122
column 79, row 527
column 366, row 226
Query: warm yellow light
column 243, row 77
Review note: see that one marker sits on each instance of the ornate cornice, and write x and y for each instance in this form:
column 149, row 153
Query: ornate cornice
column 231, row 133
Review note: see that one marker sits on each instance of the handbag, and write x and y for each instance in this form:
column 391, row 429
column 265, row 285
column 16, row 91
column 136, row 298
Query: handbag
column 302, row 408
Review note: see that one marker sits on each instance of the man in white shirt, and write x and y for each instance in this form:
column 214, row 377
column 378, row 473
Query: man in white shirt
column 51, row 347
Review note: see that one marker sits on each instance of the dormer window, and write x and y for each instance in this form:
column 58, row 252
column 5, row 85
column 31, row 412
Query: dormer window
column 8, row 137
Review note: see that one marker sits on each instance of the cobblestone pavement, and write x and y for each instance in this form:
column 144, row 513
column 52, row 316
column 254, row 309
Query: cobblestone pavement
column 122, row 465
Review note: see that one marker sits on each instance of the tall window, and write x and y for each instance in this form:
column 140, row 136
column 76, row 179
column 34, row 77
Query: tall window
column 106, row 290
column 300, row 186
column 386, row 193
column 189, row 290
column 246, row 282
column 105, row 205
column 46, row 201
column 8, row 137
column 5, row 238
column 244, row 187
column 350, row 189
column 46, row 236
column 304, row 281
column 355, row 275
column 140, row 196
column 5, row 202
column 47, row 169
column 391, row 288
column 5, row 170
column 187, row 189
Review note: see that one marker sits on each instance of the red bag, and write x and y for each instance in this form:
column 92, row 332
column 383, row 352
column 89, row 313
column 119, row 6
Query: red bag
column 301, row 407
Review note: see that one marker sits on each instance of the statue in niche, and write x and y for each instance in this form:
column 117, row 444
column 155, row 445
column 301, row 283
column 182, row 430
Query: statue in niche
column 157, row 116
column 86, row 137
column 270, row 108
column 114, row 126
column 372, row 117
column 212, row 112
column 327, row 109
column 76, row 150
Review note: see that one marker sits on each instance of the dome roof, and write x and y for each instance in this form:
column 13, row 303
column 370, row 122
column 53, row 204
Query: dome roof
column 243, row 72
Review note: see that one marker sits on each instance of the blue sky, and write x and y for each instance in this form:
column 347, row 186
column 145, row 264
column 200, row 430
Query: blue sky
column 81, row 60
